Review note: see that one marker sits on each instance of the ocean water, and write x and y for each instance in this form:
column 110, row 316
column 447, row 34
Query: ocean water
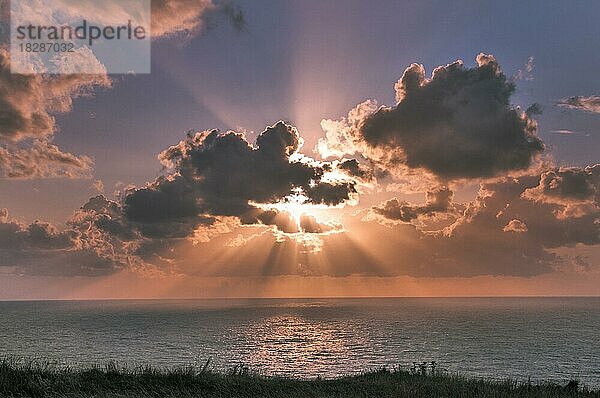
column 552, row 339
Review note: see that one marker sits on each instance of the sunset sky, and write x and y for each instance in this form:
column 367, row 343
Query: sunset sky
column 343, row 165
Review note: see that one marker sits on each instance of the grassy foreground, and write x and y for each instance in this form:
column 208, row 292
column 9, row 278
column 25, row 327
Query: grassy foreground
column 32, row 379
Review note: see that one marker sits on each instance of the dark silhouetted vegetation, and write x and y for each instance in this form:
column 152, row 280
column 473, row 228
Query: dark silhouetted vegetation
column 36, row 379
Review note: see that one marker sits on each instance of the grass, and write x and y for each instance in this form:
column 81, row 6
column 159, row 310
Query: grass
column 38, row 379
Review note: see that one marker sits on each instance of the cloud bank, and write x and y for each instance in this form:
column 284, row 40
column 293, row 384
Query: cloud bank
column 219, row 207
column 213, row 182
column 41, row 249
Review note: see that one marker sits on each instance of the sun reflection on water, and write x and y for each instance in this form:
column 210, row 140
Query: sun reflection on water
column 291, row 342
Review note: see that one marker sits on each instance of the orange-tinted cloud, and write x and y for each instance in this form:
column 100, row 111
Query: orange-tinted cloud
column 28, row 103
column 204, row 217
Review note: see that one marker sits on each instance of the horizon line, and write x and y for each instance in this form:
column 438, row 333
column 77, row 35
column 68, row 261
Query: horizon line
column 288, row 298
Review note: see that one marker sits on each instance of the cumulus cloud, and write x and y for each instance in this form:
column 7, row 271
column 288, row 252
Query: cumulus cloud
column 499, row 233
column 27, row 124
column 221, row 174
column 28, row 104
column 515, row 226
column 207, row 213
column 214, row 182
column 503, row 202
column 355, row 169
column 42, row 159
column 437, row 201
column 580, row 103
column 567, row 185
column 576, row 189
column 28, row 101
column 341, row 135
column 41, row 249
column 457, row 124
column 38, row 235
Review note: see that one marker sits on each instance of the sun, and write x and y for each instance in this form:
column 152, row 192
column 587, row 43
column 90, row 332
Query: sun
column 295, row 204
column 298, row 207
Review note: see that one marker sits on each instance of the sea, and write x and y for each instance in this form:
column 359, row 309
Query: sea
column 537, row 339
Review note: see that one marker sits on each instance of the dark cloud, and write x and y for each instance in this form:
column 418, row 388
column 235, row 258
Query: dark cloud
column 502, row 202
column 330, row 193
column 353, row 168
column 222, row 174
column 104, row 216
column 23, row 106
column 210, row 177
column 457, row 124
column 587, row 104
column 283, row 221
column 500, row 233
column 568, row 185
column 534, row 110
column 436, row 201
column 41, row 249
column 166, row 208
column 309, row 224
column 38, row 235
column 575, row 190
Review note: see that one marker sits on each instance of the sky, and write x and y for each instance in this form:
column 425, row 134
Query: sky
column 342, row 165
